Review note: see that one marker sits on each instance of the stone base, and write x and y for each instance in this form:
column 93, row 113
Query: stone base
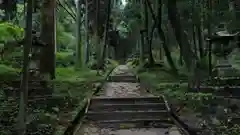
column 224, row 69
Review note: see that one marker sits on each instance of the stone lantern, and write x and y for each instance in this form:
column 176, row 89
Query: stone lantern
column 221, row 49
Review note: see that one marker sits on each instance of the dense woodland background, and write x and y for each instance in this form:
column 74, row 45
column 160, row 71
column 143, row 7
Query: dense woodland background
column 75, row 45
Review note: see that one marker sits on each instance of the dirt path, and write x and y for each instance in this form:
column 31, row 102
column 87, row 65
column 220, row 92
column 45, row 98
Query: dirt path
column 121, row 89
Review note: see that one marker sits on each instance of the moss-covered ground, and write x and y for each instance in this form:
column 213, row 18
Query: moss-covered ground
column 49, row 115
column 204, row 111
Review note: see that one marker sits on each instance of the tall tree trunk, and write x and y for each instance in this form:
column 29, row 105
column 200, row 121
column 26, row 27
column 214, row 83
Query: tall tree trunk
column 147, row 23
column 163, row 38
column 78, row 58
column 87, row 51
column 199, row 27
column 97, row 36
column 48, row 32
column 210, row 10
column 158, row 22
column 106, row 33
column 185, row 47
column 141, row 48
column 200, row 40
column 194, row 26
column 24, row 82
column 142, row 33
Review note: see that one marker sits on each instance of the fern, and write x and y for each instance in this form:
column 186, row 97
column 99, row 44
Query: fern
column 10, row 31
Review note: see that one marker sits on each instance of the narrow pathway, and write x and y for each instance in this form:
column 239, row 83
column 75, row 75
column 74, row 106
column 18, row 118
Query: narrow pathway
column 122, row 89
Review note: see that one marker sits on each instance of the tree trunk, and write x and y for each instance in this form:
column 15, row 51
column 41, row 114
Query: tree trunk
column 48, row 31
column 210, row 10
column 97, row 36
column 24, row 82
column 106, row 33
column 194, row 26
column 185, row 47
column 141, row 48
column 209, row 22
column 198, row 21
column 200, row 39
column 78, row 62
column 87, row 51
column 142, row 34
column 163, row 38
column 148, row 40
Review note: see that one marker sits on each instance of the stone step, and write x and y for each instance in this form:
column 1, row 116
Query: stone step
column 218, row 88
column 135, row 123
column 227, row 78
column 127, row 107
column 228, row 92
column 122, row 78
column 126, row 100
column 232, row 81
column 235, row 120
column 174, row 131
column 30, row 88
column 223, row 65
column 126, row 115
column 225, row 71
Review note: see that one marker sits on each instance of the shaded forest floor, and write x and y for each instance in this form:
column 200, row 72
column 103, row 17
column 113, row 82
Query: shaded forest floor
column 49, row 114
column 201, row 111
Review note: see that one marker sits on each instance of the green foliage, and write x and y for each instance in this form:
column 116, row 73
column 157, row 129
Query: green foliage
column 14, row 58
column 10, row 31
column 162, row 73
column 64, row 39
column 64, row 59
column 8, row 73
column 109, row 63
column 71, row 74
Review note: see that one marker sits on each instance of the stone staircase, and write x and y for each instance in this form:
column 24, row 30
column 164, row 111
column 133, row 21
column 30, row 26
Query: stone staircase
column 225, row 81
column 137, row 112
